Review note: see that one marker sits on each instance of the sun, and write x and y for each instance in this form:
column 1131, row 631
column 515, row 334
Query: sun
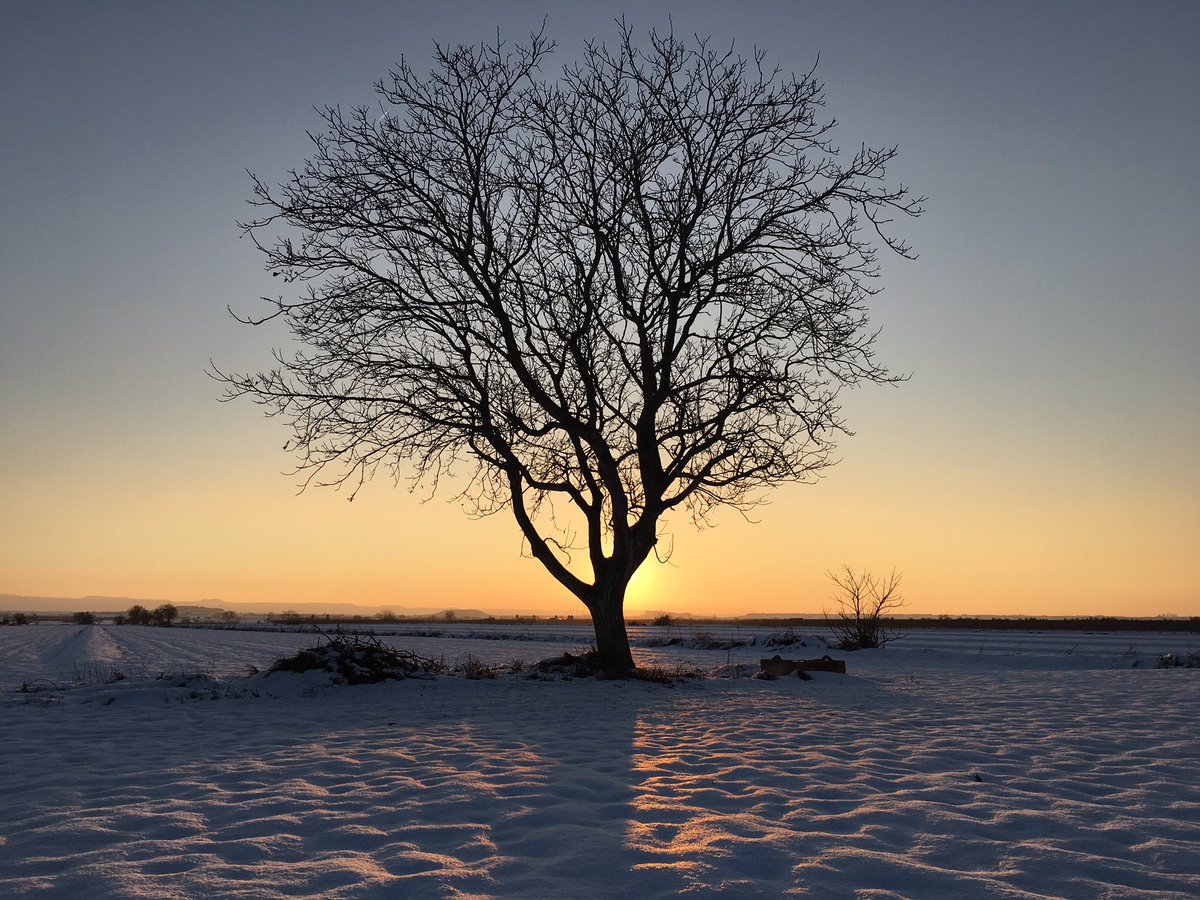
column 646, row 587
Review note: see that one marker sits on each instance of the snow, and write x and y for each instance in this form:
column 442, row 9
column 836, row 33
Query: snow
column 1015, row 764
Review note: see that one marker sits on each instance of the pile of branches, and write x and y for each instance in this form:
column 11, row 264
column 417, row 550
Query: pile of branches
column 587, row 665
column 791, row 637
column 701, row 640
column 354, row 658
column 1174, row 661
column 570, row 665
column 362, row 658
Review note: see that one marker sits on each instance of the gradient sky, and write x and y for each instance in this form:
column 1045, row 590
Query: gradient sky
column 1043, row 459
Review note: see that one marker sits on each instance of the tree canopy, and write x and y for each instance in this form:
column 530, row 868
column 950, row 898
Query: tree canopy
column 632, row 289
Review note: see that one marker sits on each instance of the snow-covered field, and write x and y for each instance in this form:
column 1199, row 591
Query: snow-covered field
column 951, row 764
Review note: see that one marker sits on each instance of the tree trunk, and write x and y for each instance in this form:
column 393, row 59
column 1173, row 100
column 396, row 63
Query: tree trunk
column 612, row 641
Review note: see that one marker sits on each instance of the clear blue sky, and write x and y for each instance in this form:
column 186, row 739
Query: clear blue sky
column 1044, row 456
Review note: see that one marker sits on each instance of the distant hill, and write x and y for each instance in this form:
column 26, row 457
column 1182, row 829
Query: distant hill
column 212, row 607
column 356, row 609
column 29, row 604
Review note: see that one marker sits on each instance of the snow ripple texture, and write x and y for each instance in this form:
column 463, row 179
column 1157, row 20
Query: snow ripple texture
column 922, row 773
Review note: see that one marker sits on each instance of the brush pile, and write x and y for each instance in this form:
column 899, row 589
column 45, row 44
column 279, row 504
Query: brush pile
column 354, row 658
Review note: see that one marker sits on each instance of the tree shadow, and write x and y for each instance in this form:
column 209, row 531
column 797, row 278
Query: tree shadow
column 570, row 835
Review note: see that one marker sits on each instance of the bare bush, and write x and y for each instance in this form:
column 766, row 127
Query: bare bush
column 864, row 602
column 475, row 669
column 164, row 615
column 138, row 615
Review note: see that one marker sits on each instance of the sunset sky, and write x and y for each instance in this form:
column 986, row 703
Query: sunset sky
column 1044, row 457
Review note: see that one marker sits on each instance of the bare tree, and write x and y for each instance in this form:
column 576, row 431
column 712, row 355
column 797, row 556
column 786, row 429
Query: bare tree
column 864, row 604
column 632, row 290
column 165, row 614
column 138, row 615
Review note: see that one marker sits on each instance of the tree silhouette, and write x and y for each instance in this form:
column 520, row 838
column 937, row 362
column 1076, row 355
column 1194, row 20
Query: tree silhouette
column 138, row 615
column 165, row 614
column 632, row 290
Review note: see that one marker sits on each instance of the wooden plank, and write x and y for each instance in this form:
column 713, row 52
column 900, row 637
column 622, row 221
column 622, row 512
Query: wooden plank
column 778, row 667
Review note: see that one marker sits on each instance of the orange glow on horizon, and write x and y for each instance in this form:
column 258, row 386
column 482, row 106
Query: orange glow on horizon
column 255, row 541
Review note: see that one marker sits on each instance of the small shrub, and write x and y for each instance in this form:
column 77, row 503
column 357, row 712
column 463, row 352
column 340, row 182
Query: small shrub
column 83, row 618
column 474, row 669
column 864, row 602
